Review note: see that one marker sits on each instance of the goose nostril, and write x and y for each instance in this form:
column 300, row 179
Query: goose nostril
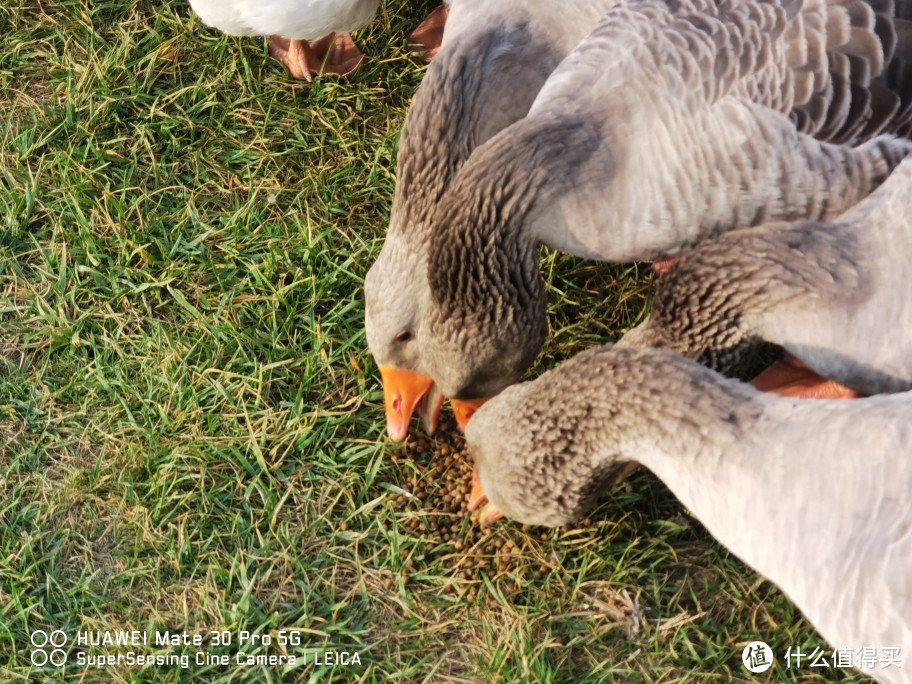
column 397, row 403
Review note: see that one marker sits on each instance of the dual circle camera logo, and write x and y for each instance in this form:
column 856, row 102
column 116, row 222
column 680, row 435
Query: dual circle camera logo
column 48, row 648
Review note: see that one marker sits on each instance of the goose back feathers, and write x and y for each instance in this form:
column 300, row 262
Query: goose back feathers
column 668, row 124
column 836, row 296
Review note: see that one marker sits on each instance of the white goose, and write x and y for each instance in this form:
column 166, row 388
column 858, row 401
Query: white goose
column 307, row 36
column 494, row 59
column 838, row 297
column 668, row 124
column 814, row 495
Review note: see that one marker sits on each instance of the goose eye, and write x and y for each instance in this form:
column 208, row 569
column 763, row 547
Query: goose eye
column 404, row 336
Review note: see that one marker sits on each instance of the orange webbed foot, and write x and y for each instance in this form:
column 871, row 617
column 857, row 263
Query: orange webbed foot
column 334, row 54
column 426, row 39
column 791, row 378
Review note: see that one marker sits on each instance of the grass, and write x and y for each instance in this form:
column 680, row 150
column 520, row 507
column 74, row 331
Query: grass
column 191, row 425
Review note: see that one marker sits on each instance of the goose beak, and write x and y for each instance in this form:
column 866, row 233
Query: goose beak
column 402, row 392
column 465, row 409
column 429, row 408
column 477, row 497
column 490, row 513
column 791, row 378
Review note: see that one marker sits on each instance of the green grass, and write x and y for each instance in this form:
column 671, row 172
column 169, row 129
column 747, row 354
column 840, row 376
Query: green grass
column 191, row 426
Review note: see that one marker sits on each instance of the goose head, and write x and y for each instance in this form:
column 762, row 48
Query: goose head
column 432, row 340
column 545, row 450
column 539, row 446
column 393, row 310
column 485, row 319
column 479, row 342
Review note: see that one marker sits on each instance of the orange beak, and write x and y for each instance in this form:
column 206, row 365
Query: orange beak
column 477, row 496
column 463, row 410
column 402, row 390
column 490, row 513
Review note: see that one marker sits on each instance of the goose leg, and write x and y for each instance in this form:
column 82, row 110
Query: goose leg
column 334, row 54
column 427, row 37
column 791, row 378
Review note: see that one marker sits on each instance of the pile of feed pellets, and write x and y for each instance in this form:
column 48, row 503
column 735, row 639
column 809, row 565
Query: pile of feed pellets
column 435, row 480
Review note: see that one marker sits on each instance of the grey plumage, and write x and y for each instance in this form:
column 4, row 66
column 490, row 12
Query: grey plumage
column 837, row 296
column 748, row 465
column 492, row 63
column 667, row 125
